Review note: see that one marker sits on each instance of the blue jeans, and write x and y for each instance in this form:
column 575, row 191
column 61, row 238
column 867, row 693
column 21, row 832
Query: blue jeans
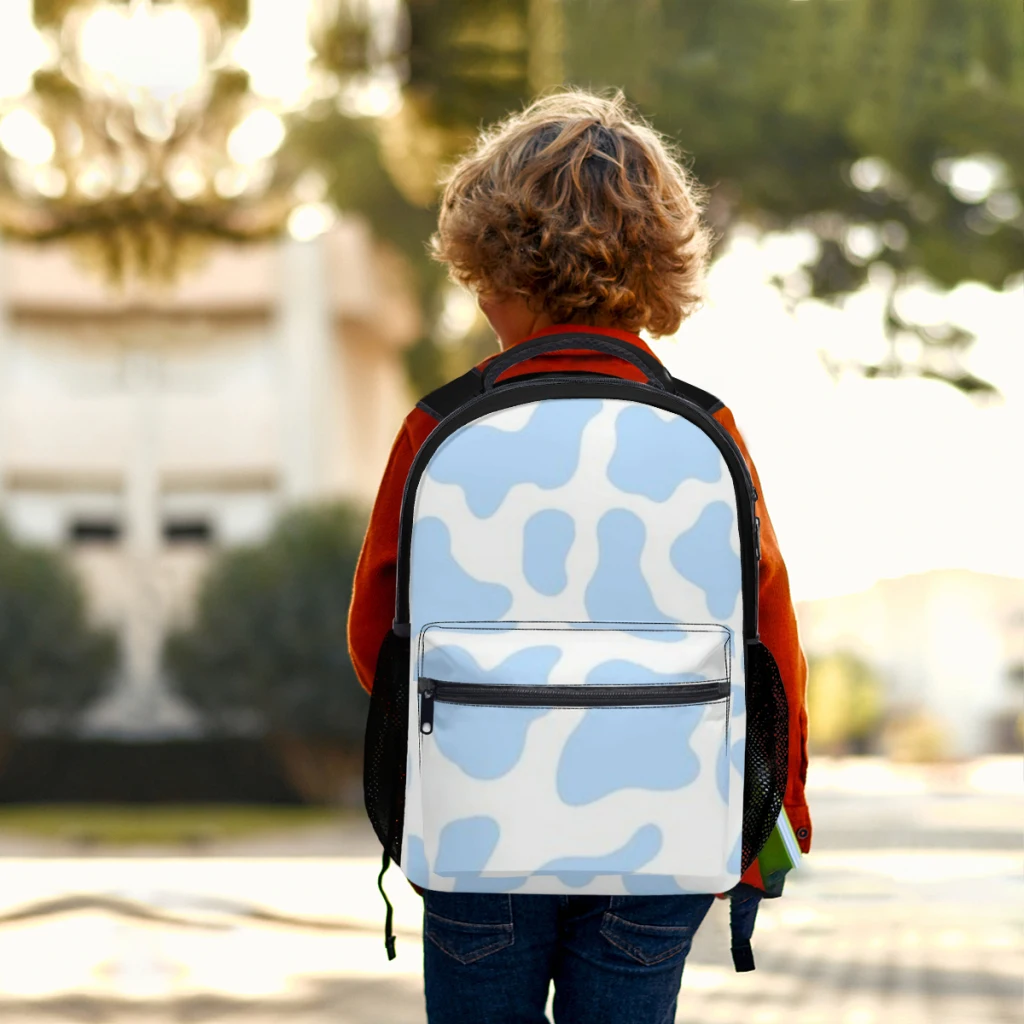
column 489, row 959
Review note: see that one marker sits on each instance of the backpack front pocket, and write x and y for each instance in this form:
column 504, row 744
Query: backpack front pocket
column 554, row 754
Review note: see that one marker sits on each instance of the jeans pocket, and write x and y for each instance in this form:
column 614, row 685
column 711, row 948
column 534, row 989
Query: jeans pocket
column 654, row 929
column 468, row 926
column 647, row 944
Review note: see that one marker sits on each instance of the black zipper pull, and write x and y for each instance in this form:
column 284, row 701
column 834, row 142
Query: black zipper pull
column 426, row 687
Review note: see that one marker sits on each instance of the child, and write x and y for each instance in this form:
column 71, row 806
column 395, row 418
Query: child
column 573, row 212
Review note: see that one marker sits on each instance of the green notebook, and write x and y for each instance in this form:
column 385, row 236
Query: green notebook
column 781, row 852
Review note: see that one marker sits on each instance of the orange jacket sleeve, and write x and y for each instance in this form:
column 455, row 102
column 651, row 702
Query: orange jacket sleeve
column 777, row 626
column 373, row 600
column 373, row 589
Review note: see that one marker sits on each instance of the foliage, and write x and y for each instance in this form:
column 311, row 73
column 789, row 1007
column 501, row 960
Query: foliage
column 137, row 183
column 915, row 735
column 844, row 704
column 889, row 129
column 469, row 62
column 269, row 633
column 52, row 663
column 846, row 119
column 348, row 153
column 150, row 228
column 155, row 825
column 48, row 13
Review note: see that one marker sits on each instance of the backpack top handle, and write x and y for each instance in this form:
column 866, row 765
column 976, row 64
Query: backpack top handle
column 656, row 374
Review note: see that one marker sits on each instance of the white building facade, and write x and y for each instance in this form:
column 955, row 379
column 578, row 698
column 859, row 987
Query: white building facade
column 144, row 430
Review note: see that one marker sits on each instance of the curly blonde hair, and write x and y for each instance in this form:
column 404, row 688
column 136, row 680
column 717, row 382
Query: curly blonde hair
column 579, row 206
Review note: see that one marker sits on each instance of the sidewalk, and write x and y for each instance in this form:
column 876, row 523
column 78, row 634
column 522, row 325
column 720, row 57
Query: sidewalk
column 908, row 912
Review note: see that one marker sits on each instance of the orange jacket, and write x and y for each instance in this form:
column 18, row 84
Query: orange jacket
column 373, row 594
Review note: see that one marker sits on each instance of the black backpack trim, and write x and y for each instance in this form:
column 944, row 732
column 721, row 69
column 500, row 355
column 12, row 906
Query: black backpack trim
column 556, row 385
column 450, row 397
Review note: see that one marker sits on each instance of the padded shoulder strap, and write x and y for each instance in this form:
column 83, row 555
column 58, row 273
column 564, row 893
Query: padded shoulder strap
column 451, row 396
column 704, row 399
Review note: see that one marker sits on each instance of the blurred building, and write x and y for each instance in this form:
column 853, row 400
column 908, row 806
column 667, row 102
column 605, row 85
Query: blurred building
column 143, row 430
column 949, row 643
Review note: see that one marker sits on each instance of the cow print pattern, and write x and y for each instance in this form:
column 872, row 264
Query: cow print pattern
column 576, row 541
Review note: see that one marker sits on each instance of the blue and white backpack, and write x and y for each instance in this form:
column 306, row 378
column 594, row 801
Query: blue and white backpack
column 573, row 698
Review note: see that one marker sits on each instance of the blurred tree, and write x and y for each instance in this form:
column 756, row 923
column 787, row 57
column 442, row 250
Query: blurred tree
column 914, row 734
column 466, row 63
column 348, row 153
column 893, row 130
column 140, row 180
column 49, row 13
column 267, row 648
column 52, row 663
column 844, row 704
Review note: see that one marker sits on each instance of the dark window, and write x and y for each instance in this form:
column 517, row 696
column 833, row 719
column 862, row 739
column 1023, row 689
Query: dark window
column 94, row 530
column 188, row 531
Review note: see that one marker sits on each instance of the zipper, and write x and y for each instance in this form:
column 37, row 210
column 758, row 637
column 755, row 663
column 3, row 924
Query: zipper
column 559, row 696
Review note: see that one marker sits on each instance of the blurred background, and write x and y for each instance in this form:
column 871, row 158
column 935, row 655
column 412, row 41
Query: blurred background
column 215, row 309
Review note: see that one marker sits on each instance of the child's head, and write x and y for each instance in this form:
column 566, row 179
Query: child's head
column 581, row 210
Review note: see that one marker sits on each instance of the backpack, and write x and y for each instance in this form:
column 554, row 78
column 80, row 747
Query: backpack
column 573, row 697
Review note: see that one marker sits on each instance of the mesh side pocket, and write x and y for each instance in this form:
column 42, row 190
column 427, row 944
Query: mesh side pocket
column 767, row 760
column 387, row 736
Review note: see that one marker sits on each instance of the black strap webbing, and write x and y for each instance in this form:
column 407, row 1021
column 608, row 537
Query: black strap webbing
column 743, row 958
column 704, row 399
column 742, row 916
column 389, row 917
column 451, row 396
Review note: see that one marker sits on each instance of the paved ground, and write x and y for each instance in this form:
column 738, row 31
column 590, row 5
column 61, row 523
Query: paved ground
column 909, row 912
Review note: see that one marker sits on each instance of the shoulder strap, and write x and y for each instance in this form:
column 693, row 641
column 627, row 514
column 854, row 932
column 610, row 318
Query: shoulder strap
column 389, row 915
column 446, row 399
column 704, row 399
column 451, row 396
column 743, row 903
